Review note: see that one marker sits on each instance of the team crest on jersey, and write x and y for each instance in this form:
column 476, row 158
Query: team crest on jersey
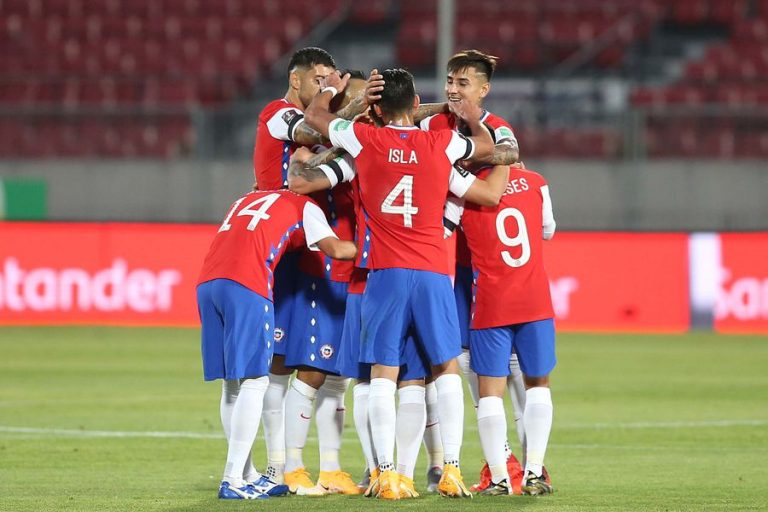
column 326, row 351
column 403, row 135
column 279, row 334
column 342, row 125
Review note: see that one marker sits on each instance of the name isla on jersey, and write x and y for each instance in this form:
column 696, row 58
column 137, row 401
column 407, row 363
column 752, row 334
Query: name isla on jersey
column 397, row 156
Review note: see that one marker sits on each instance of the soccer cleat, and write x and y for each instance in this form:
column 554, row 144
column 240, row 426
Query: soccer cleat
column 452, row 484
column 433, row 478
column 485, row 479
column 373, row 485
column 535, row 485
column 227, row 491
column 544, row 474
column 498, row 489
column 338, row 482
column 389, row 485
column 514, row 470
column 365, row 481
column 299, row 483
column 407, row 489
column 266, row 486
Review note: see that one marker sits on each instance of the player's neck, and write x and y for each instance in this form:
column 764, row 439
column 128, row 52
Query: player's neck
column 292, row 96
column 402, row 120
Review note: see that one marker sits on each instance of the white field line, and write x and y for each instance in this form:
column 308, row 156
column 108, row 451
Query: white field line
column 61, row 432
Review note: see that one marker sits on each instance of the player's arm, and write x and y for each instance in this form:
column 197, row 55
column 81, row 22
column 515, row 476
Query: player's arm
column 484, row 192
column 320, row 236
column 547, row 217
column 311, row 173
column 304, row 135
column 505, row 153
column 429, row 109
column 480, row 136
column 318, row 115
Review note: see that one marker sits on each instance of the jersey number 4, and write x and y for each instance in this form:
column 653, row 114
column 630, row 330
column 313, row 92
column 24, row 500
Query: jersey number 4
column 407, row 210
column 521, row 240
column 257, row 214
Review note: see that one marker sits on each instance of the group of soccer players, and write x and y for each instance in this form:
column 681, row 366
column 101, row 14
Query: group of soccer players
column 375, row 177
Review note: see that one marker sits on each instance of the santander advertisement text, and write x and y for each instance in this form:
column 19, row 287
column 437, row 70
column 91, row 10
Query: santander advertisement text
column 145, row 274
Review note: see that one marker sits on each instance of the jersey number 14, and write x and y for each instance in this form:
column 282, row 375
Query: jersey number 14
column 258, row 214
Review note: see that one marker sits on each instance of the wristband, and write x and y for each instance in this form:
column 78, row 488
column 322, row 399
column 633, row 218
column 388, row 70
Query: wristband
column 331, row 89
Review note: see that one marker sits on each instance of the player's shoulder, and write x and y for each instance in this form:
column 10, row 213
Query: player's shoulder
column 532, row 177
column 441, row 121
column 495, row 121
column 274, row 106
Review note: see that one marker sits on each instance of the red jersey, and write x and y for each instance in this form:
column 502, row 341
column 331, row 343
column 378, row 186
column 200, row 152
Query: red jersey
column 357, row 281
column 511, row 284
column 258, row 229
column 274, row 143
column 404, row 175
column 501, row 131
column 339, row 208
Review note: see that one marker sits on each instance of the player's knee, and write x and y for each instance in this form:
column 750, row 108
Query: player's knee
column 536, row 382
column 336, row 384
column 278, row 366
column 255, row 383
column 312, row 378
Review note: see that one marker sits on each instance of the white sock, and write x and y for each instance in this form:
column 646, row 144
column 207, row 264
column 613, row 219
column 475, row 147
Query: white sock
column 450, row 408
column 432, row 441
column 244, row 424
column 273, row 417
column 516, row 388
column 329, row 418
column 409, row 431
column 538, row 424
column 492, row 429
column 360, row 412
column 298, row 416
column 229, row 391
column 470, row 375
column 381, row 415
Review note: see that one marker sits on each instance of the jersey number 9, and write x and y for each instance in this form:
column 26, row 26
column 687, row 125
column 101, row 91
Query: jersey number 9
column 520, row 240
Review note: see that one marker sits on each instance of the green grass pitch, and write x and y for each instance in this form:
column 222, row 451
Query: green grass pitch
column 111, row 419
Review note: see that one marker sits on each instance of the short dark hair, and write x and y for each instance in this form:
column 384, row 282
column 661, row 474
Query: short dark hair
column 353, row 73
column 399, row 91
column 310, row 57
column 482, row 62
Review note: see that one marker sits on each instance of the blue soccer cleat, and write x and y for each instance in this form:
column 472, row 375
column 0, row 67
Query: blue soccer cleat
column 228, row 491
column 266, row 486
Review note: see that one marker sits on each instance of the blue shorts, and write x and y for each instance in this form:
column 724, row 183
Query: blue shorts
column 348, row 363
column 237, row 326
column 462, row 290
column 396, row 300
column 533, row 342
column 317, row 323
column 284, row 296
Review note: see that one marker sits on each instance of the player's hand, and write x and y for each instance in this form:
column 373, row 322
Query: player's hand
column 336, row 81
column 377, row 121
column 465, row 110
column 301, row 155
column 373, row 87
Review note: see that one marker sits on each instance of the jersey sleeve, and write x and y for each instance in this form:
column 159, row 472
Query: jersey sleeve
column 315, row 225
column 424, row 123
column 341, row 133
column 339, row 170
column 460, row 180
column 504, row 135
column 459, row 148
column 547, row 216
column 283, row 123
column 454, row 209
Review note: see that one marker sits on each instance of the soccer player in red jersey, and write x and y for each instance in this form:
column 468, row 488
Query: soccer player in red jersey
column 404, row 175
column 281, row 129
column 234, row 296
column 469, row 75
column 512, row 313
